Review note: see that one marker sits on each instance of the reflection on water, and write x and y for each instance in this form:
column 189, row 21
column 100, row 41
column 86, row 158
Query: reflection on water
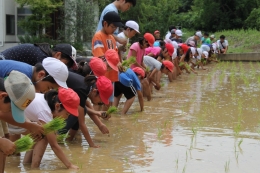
column 202, row 123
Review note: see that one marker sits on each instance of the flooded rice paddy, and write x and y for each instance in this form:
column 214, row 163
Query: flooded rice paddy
column 206, row 123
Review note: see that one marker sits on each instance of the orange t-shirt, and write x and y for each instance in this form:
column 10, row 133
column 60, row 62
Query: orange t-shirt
column 101, row 42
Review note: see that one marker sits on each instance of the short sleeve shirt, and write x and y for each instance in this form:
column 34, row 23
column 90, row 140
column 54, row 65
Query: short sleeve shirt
column 38, row 110
column 154, row 50
column 101, row 42
column 152, row 63
column 135, row 82
column 222, row 45
column 139, row 53
column 6, row 66
column 27, row 53
column 108, row 8
column 76, row 82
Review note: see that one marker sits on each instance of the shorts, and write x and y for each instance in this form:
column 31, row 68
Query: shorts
column 15, row 130
column 111, row 98
column 129, row 92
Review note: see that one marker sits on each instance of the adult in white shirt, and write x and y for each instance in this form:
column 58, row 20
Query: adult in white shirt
column 130, row 29
column 222, row 44
column 168, row 34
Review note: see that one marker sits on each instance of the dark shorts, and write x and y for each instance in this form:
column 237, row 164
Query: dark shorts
column 129, row 92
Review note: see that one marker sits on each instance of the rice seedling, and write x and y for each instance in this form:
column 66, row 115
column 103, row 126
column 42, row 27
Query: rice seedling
column 128, row 62
column 25, row 143
column 159, row 134
column 111, row 110
column 162, row 84
column 240, row 142
column 62, row 137
column 227, row 166
column 54, row 125
column 177, row 163
column 147, row 69
column 184, row 169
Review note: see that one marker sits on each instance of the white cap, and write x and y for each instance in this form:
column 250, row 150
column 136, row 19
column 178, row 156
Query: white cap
column 193, row 50
column 21, row 92
column 199, row 50
column 212, row 36
column 198, row 33
column 57, row 69
column 132, row 24
column 206, row 54
column 178, row 32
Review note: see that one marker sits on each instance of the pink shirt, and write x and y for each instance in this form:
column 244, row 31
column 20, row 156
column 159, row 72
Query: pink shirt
column 154, row 50
column 139, row 53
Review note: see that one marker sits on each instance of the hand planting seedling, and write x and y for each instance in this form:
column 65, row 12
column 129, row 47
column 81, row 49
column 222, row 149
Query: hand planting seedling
column 24, row 144
column 54, row 125
column 111, row 109
column 60, row 138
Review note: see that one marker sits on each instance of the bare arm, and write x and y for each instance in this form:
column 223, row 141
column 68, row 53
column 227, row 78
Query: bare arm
column 51, row 138
column 83, row 127
column 32, row 127
column 94, row 116
column 122, row 41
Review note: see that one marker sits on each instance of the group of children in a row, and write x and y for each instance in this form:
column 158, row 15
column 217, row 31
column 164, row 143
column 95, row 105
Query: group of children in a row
column 30, row 75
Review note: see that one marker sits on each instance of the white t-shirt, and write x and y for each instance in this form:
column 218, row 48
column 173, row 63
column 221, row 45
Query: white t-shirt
column 167, row 36
column 38, row 109
column 205, row 48
column 122, row 35
column 220, row 45
column 152, row 63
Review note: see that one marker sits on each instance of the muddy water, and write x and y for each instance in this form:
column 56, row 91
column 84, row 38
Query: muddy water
column 206, row 123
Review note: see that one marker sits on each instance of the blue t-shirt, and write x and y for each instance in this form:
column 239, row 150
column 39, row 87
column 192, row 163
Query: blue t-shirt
column 108, row 8
column 6, row 66
column 129, row 78
column 27, row 53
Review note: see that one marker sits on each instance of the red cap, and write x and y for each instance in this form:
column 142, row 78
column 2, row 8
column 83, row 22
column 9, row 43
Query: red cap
column 168, row 64
column 105, row 88
column 150, row 38
column 139, row 71
column 112, row 58
column 184, row 47
column 69, row 99
column 170, row 48
column 155, row 32
column 98, row 67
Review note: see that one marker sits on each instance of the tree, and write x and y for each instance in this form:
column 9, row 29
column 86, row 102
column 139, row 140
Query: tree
column 78, row 23
column 40, row 18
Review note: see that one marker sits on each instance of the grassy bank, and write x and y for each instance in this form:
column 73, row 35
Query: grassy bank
column 240, row 41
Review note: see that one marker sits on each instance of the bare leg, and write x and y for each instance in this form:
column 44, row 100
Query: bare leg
column 38, row 152
column 116, row 100
column 128, row 104
column 72, row 134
